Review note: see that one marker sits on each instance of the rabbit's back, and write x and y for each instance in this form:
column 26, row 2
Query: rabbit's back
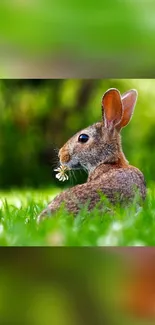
column 124, row 181
column 117, row 185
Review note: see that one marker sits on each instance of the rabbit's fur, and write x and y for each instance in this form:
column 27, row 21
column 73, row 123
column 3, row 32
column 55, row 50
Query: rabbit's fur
column 108, row 170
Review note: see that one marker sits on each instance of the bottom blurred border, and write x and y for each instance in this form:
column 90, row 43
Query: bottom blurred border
column 66, row 286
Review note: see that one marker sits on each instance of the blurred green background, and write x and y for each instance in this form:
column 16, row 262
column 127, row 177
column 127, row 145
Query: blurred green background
column 75, row 286
column 37, row 116
column 78, row 39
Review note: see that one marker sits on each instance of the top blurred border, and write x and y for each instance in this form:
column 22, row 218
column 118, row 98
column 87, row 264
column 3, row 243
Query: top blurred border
column 78, row 39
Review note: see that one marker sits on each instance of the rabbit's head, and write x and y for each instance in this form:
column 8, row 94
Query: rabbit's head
column 100, row 142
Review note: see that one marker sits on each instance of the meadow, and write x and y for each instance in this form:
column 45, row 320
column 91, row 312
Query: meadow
column 132, row 226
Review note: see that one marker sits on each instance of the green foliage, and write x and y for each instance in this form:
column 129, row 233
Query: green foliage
column 116, row 226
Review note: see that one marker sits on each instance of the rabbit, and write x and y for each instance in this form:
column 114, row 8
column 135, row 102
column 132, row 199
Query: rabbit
column 98, row 149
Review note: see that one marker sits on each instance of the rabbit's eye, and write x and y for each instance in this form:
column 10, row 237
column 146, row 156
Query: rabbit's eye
column 83, row 138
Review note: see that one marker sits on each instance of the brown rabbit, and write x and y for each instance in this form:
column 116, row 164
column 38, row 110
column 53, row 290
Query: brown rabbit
column 98, row 149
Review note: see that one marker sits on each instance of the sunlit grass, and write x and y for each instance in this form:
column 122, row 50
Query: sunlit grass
column 117, row 227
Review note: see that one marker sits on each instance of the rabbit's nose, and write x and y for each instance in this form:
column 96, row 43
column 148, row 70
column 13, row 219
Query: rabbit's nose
column 64, row 155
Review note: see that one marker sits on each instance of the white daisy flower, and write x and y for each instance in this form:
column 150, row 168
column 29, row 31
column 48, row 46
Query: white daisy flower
column 61, row 176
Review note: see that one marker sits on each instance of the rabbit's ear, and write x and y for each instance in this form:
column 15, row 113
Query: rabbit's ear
column 112, row 108
column 129, row 101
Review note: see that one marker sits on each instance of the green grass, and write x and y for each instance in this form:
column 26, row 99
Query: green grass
column 133, row 226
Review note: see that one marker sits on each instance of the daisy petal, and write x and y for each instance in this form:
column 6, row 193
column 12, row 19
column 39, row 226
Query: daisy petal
column 57, row 169
column 58, row 176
